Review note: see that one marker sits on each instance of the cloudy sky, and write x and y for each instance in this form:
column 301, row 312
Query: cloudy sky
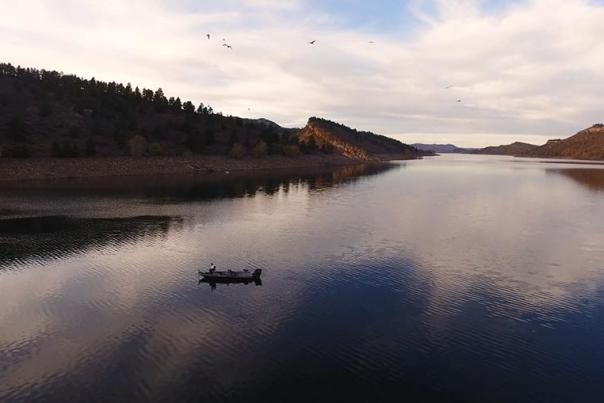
column 523, row 69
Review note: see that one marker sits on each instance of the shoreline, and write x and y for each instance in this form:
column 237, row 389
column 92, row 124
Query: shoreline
column 37, row 169
column 544, row 159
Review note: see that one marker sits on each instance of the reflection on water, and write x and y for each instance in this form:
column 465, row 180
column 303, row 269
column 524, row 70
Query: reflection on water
column 457, row 278
column 591, row 178
column 213, row 283
column 193, row 187
column 56, row 237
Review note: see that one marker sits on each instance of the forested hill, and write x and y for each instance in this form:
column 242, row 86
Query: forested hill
column 49, row 114
column 46, row 113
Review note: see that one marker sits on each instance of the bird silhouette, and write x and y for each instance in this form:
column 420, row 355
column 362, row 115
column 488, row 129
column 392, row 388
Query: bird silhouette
column 459, row 100
column 208, row 35
column 312, row 42
column 227, row 46
column 371, row 42
column 448, row 87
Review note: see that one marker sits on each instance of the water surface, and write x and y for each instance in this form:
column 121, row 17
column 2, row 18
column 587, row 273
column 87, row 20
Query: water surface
column 457, row 278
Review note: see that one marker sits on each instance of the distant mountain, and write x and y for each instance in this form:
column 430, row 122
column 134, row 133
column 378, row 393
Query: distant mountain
column 588, row 144
column 353, row 143
column 441, row 148
column 517, row 148
column 264, row 122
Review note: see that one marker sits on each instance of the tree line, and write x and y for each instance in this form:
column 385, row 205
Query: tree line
column 51, row 114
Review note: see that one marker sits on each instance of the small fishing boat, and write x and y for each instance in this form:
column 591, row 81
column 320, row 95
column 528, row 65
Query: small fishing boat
column 230, row 275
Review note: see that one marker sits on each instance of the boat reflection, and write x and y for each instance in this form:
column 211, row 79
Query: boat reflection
column 213, row 282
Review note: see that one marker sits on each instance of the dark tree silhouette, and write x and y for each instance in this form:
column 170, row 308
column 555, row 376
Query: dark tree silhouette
column 188, row 107
column 44, row 108
column 17, row 129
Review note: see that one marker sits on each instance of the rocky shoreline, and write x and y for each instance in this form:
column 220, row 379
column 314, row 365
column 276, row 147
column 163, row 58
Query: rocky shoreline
column 12, row 170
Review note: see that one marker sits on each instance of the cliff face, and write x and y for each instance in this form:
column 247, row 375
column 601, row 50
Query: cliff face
column 588, row 144
column 516, row 148
column 351, row 143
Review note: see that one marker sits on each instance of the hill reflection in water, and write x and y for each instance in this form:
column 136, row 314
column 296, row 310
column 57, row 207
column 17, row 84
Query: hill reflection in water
column 37, row 227
column 56, row 237
column 592, row 179
column 195, row 187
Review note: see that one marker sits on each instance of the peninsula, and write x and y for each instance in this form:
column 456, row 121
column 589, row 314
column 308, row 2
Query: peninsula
column 55, row 125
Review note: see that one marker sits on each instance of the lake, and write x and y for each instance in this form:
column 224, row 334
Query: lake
column 454, row 278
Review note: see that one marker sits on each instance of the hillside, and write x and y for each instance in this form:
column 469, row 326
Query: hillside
column 351, row 143
column 51, row 114
column 588, row 144
column 441, row 148
column 516, row 148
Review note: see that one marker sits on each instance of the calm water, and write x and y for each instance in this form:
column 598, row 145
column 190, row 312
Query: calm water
column 449, row 279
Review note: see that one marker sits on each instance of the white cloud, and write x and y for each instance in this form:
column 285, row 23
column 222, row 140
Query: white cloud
column 532, row 68
column 271, row 3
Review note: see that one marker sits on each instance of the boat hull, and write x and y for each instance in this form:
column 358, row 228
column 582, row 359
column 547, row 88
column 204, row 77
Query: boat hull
column 233, row 276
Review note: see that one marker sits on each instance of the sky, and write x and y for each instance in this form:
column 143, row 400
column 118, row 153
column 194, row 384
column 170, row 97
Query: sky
column 523, row 70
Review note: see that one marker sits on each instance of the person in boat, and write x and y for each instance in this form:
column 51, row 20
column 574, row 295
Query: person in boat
column 212, row 268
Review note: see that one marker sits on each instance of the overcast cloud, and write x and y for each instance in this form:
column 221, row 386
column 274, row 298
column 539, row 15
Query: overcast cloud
column 524, row 70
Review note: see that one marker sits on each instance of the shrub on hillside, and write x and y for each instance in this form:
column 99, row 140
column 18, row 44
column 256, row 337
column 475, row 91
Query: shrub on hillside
column 327, row 149
column 237, row 151
column 65, row 150
column 137, row 146
column 260, row 150
column 291, row 150
column 155, row 149
column 275, row 149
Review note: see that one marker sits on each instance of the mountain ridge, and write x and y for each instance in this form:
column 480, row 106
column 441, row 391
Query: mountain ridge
column 587, row 144
column 442, row 148
column 515, row 148
column 352, row 143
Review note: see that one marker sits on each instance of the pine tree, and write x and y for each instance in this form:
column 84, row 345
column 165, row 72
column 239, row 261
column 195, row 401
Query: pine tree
column 159, row 100
column 188, row 107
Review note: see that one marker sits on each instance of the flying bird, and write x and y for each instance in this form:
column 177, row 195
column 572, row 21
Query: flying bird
column 448, row 87
column 371, row 42
column 312, row 42
column 459, row 100
column 208, row 35
column 227, row 46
